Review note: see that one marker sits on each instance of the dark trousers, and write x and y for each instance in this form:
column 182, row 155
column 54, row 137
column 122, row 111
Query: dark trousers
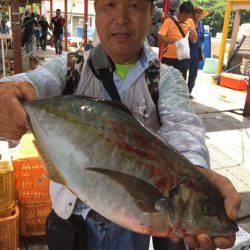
column 167, row 244
column 193, row 69
column 77, row 234
column 58, row 39
column 43, row 41
column 181, row 65
column 67, row 234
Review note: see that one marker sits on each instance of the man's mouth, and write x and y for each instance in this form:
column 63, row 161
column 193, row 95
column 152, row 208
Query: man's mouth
column 121, row 35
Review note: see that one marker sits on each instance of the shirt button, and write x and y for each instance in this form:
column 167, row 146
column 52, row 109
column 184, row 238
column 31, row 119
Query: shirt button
column 70, row 204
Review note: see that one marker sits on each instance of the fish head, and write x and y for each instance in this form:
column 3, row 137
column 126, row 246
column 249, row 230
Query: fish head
column 199, row 209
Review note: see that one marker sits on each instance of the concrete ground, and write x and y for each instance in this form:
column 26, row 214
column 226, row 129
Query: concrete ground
column 227, row 138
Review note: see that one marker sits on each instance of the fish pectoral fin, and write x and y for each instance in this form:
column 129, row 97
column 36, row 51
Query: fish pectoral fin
column 147, row 197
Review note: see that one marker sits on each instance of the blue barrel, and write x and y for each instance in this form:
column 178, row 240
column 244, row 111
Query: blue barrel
column 206, row 47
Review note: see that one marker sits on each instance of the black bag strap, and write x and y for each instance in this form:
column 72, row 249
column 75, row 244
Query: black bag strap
column 178, row 26
column 103, row 68
column 106, row 76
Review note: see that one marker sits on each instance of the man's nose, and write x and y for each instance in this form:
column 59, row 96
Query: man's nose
column 122, row 16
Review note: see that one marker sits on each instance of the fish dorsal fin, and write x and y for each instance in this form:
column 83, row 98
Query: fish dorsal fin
column 53, row 173
column 145, row 195
column 117, row 105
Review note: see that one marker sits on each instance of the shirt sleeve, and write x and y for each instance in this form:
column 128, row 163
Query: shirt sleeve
column 49, row 79
column 164, row 28
column 191, row 23
column 181, row 127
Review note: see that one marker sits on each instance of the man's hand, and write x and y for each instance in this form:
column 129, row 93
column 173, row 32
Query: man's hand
column 192, row 34
column 232, row 203
column 12, row 114
column 192, row 30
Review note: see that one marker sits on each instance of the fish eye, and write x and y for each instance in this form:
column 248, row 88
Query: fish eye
column 208, row 209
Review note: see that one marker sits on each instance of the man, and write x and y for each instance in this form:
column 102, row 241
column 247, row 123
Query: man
column 57, row 25
column 196, row 54
column 44, row 26
column 169, row 33
column 37, row 31
column 122, row 26
column 4, row 28
column 28, row 32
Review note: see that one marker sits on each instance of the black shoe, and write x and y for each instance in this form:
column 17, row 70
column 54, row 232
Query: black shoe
column 191, row 97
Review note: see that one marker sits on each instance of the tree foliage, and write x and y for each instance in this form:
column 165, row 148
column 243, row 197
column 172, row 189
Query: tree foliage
column 217, row 9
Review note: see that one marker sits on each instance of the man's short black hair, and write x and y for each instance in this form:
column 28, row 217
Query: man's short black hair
column 58, row 10
column 186, row 7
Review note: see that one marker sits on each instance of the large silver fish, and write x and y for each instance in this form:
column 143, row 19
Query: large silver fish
column 124, row 171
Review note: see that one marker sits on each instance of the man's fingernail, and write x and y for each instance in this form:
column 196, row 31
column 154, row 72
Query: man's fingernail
column 235, row 213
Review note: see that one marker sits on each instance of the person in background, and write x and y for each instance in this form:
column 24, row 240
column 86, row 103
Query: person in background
column 28, row 31
column 156, row 24
column 4, row 28
column 44, row 27
column 169, row 33
column 37, row 30
column 89, row 45
column 57, row 25
column 157, row 19
column 196, row 54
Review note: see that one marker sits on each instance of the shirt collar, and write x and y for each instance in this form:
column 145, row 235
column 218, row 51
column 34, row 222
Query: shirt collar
column 147, row 55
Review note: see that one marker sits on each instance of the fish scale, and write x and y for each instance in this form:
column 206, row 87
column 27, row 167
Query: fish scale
column 123, row 170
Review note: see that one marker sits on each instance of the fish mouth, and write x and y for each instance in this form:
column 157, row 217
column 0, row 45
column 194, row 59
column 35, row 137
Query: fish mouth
column 228, row 230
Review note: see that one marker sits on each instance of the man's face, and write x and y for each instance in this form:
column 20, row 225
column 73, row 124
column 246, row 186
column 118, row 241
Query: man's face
column 183, row 17
column 197, row 15
column 122, row 26
column 58, row 13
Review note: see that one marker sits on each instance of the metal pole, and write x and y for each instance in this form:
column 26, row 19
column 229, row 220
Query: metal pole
column 3, row 56
column 51, row 16
column 224, row 36
column 235, row 31
column 66, row 24
column 85, row 22
column 247, row 102
column 51, row 9
column 40, row 8
column 16, row 35
column 10, row 14
column 166, row 8
column 32, row 7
